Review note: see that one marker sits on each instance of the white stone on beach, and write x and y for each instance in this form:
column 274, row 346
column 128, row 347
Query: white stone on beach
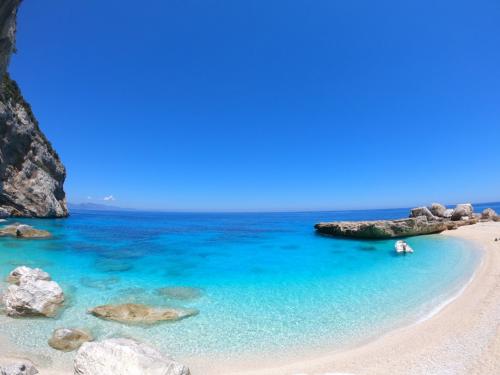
column 122, row 356
column 32, row 294
column 24, row 368
column 23, row 271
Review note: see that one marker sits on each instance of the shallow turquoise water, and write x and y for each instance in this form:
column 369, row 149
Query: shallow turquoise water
column 270, row 283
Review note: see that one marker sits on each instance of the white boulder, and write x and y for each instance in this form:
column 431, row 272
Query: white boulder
column 437, row 209
column 32, row 294
column 422, row 211
column 461, row 211
column 124, row 357
column 488, row 214
column 23, row 271
column 448, row 213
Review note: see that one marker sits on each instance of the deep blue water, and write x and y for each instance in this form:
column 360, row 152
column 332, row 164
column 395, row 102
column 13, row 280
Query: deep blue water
column 270, row 283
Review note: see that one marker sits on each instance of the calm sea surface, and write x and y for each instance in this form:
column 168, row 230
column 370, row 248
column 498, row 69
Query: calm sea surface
column 269, row 283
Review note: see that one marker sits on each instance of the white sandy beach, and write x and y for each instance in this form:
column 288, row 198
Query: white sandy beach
column 462, row 338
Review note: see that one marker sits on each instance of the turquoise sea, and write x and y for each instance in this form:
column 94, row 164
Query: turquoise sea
column 270, row 285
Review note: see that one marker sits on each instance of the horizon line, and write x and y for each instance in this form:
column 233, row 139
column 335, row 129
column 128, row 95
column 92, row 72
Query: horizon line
column 112, row 208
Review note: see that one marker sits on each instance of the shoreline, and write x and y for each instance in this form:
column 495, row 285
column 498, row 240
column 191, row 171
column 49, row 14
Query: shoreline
column 458, row 336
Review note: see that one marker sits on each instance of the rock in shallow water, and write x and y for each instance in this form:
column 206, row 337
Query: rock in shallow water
column 23, row 231
column 24, row 368
column 124, row 357
column 382, row 228
column 132, row 313
column 23, row 271
column 68, row 339
column 32, row 294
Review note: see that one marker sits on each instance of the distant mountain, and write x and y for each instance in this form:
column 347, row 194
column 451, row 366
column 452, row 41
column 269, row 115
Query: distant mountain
column 96, row 207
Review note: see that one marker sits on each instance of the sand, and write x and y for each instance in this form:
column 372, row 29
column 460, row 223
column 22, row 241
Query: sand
column 461, row 338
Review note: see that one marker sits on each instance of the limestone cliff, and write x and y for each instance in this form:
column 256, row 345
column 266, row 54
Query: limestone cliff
column 31, row 173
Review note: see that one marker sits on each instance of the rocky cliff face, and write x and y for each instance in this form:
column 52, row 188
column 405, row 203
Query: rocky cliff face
column 31, row 173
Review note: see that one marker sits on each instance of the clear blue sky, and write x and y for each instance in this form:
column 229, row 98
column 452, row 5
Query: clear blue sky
column 250, row 105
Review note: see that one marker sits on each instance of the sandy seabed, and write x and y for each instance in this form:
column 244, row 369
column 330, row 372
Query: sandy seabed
column 463, row 337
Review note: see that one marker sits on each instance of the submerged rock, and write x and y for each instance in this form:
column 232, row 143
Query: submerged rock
column 68, row 339
column 488, row 214
column 461, row 211
column 180, row 292
column 102, row 284
column 23, row 271
column 32, row 295
column 422, row 211
column 23, row 231
column 24, row 368
column 132, row 313
column 112, row 265
column 124, row 357
column 382, row 228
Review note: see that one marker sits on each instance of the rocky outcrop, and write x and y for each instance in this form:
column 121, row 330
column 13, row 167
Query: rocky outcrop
column 382, row 228
column 423, row 220
column 23, row 368
column 8, row 12
column 132, row 313
column 68, row 339
column 23, row 231
column 32, row 295
column 124, row 357
column 31, row 173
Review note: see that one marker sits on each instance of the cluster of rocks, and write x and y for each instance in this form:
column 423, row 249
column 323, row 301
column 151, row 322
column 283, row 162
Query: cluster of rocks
column 19, row 230
column 32, row 292
column 435, row 218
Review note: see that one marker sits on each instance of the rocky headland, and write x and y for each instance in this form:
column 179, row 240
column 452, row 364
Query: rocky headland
column 422, row 220
column 31, row 172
